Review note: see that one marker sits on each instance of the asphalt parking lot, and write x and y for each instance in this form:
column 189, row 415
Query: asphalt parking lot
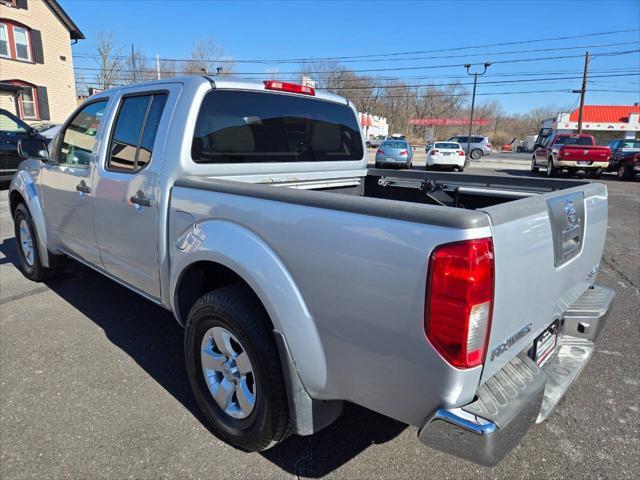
column 93, row 385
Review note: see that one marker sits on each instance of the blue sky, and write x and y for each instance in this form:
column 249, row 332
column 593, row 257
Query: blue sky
column 303, row 29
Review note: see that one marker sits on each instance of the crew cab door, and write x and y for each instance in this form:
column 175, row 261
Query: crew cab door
column 66, row 183
column 542, row 152
column 126, row 189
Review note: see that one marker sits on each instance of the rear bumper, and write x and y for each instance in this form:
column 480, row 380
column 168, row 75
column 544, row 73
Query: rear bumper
column 456, row 162
column 575, row 164
column 520, row 394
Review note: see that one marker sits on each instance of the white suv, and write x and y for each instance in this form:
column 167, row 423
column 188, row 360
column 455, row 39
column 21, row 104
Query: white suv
column 479, row 145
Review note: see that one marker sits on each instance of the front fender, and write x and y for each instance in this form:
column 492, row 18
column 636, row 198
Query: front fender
column 24, row 183
column 242, row 251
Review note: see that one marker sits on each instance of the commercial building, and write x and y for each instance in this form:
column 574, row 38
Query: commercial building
column 604, row 122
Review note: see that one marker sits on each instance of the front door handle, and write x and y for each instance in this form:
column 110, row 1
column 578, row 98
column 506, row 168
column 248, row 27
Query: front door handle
column 140, row 199
column 83, row 188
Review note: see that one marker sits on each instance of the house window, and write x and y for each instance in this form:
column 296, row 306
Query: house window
column 21, row 39
column 28, row 102
column 4, row 41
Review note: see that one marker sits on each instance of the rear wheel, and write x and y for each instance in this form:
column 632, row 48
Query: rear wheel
column 551, row 170
column 476, row 154
column 460, row 169
column 234, row 369
column 28, row 254
column 624, row 172
column 595, row 173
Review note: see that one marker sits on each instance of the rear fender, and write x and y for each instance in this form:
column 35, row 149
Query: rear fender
column 246, row 254
column 24, row 183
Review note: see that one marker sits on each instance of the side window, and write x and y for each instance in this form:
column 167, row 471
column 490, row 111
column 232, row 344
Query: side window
column 10, row 126
column 78, row 139
column 135, row 132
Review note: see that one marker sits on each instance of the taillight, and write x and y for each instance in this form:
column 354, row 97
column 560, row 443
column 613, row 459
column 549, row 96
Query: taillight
column 461, row 153
column 488, row 145
column 434, row 152
column 380, row 152
column 288, row 87
column 459, row 302
column 403, row 152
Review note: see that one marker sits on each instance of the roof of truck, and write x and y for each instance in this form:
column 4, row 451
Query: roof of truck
column 226, row 83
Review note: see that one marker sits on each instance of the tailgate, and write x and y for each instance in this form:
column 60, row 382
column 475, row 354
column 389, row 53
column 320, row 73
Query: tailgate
column 585, row 153
column 547, row 252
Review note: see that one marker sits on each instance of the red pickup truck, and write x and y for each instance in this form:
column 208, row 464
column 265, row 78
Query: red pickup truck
column 564, row 151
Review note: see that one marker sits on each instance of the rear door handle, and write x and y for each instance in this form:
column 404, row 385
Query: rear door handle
column 140, row 199
column 82, row 187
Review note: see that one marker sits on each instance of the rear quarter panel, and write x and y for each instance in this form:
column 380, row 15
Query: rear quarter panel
column 362, row 280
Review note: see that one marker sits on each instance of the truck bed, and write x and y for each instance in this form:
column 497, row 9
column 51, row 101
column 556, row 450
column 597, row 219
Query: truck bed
column 363, row 276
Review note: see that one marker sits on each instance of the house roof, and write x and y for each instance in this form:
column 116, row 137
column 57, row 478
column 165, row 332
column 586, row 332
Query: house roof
column 605, row 113
column 74, row 31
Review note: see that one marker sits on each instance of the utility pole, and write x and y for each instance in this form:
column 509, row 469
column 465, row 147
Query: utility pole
column 158, row 65
column 133, row 65
column 582, row 91
column 473, row 102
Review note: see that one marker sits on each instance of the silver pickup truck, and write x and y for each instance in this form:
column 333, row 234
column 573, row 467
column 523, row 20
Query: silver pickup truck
column 462, row 305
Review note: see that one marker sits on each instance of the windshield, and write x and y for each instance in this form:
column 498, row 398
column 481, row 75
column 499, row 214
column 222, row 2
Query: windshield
column 394, row 145
column 447, row 146
column 255, row 127
column 574, row 141
column 632, row 144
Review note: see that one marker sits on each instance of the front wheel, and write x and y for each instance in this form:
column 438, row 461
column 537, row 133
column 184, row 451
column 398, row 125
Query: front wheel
column 28, row 254
column 534, row 167
column 624, row 173
column 234, row 369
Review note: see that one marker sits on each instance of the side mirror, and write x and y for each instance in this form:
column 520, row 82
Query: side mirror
column 32, row 132
column 33, row 148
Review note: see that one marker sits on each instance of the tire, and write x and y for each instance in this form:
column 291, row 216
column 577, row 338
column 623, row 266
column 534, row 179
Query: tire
column 551, row 170
column 534, row 167
column 476, row 154
column 572, row 171
column 236, row 310
column 595, row 173
column 27, row 246
column 624, row 173
column 460, row 169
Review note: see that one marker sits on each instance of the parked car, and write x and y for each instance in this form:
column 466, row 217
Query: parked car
column 375, row 142
column 625, row 158
column 394, row 153
column 529, row 143
column 564, row 151
column 302, row 279
column 51, row 132
column 446, row 154
column 479, row 146
column 396, row 136
column 12, row 130
column 42, row 126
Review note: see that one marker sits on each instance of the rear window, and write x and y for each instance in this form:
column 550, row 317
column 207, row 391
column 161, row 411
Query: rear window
column 256, row 127
column 396, row 144
column 446, row 146
column 573, row 141
column 630, row 144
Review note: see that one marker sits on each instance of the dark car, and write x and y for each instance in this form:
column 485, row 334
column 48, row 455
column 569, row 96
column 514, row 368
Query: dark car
column 12, row 130
column 625, row 158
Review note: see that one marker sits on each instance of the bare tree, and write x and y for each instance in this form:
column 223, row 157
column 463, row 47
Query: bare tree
column 109, row 59
column 206, row 56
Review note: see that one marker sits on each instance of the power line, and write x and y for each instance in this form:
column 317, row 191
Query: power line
column 501, row 82
column 422, row 67
column 483, row 94
column 392, row 54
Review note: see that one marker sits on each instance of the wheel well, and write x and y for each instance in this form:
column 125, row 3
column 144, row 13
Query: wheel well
column 200, row 278
column 15, row 199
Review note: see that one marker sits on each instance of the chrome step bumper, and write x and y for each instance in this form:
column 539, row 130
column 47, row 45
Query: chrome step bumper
column 520, row 394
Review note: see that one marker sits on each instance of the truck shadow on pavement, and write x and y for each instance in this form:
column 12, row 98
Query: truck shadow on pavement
column 154, row 340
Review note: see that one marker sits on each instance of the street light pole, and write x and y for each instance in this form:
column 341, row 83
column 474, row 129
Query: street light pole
column 473, row 101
